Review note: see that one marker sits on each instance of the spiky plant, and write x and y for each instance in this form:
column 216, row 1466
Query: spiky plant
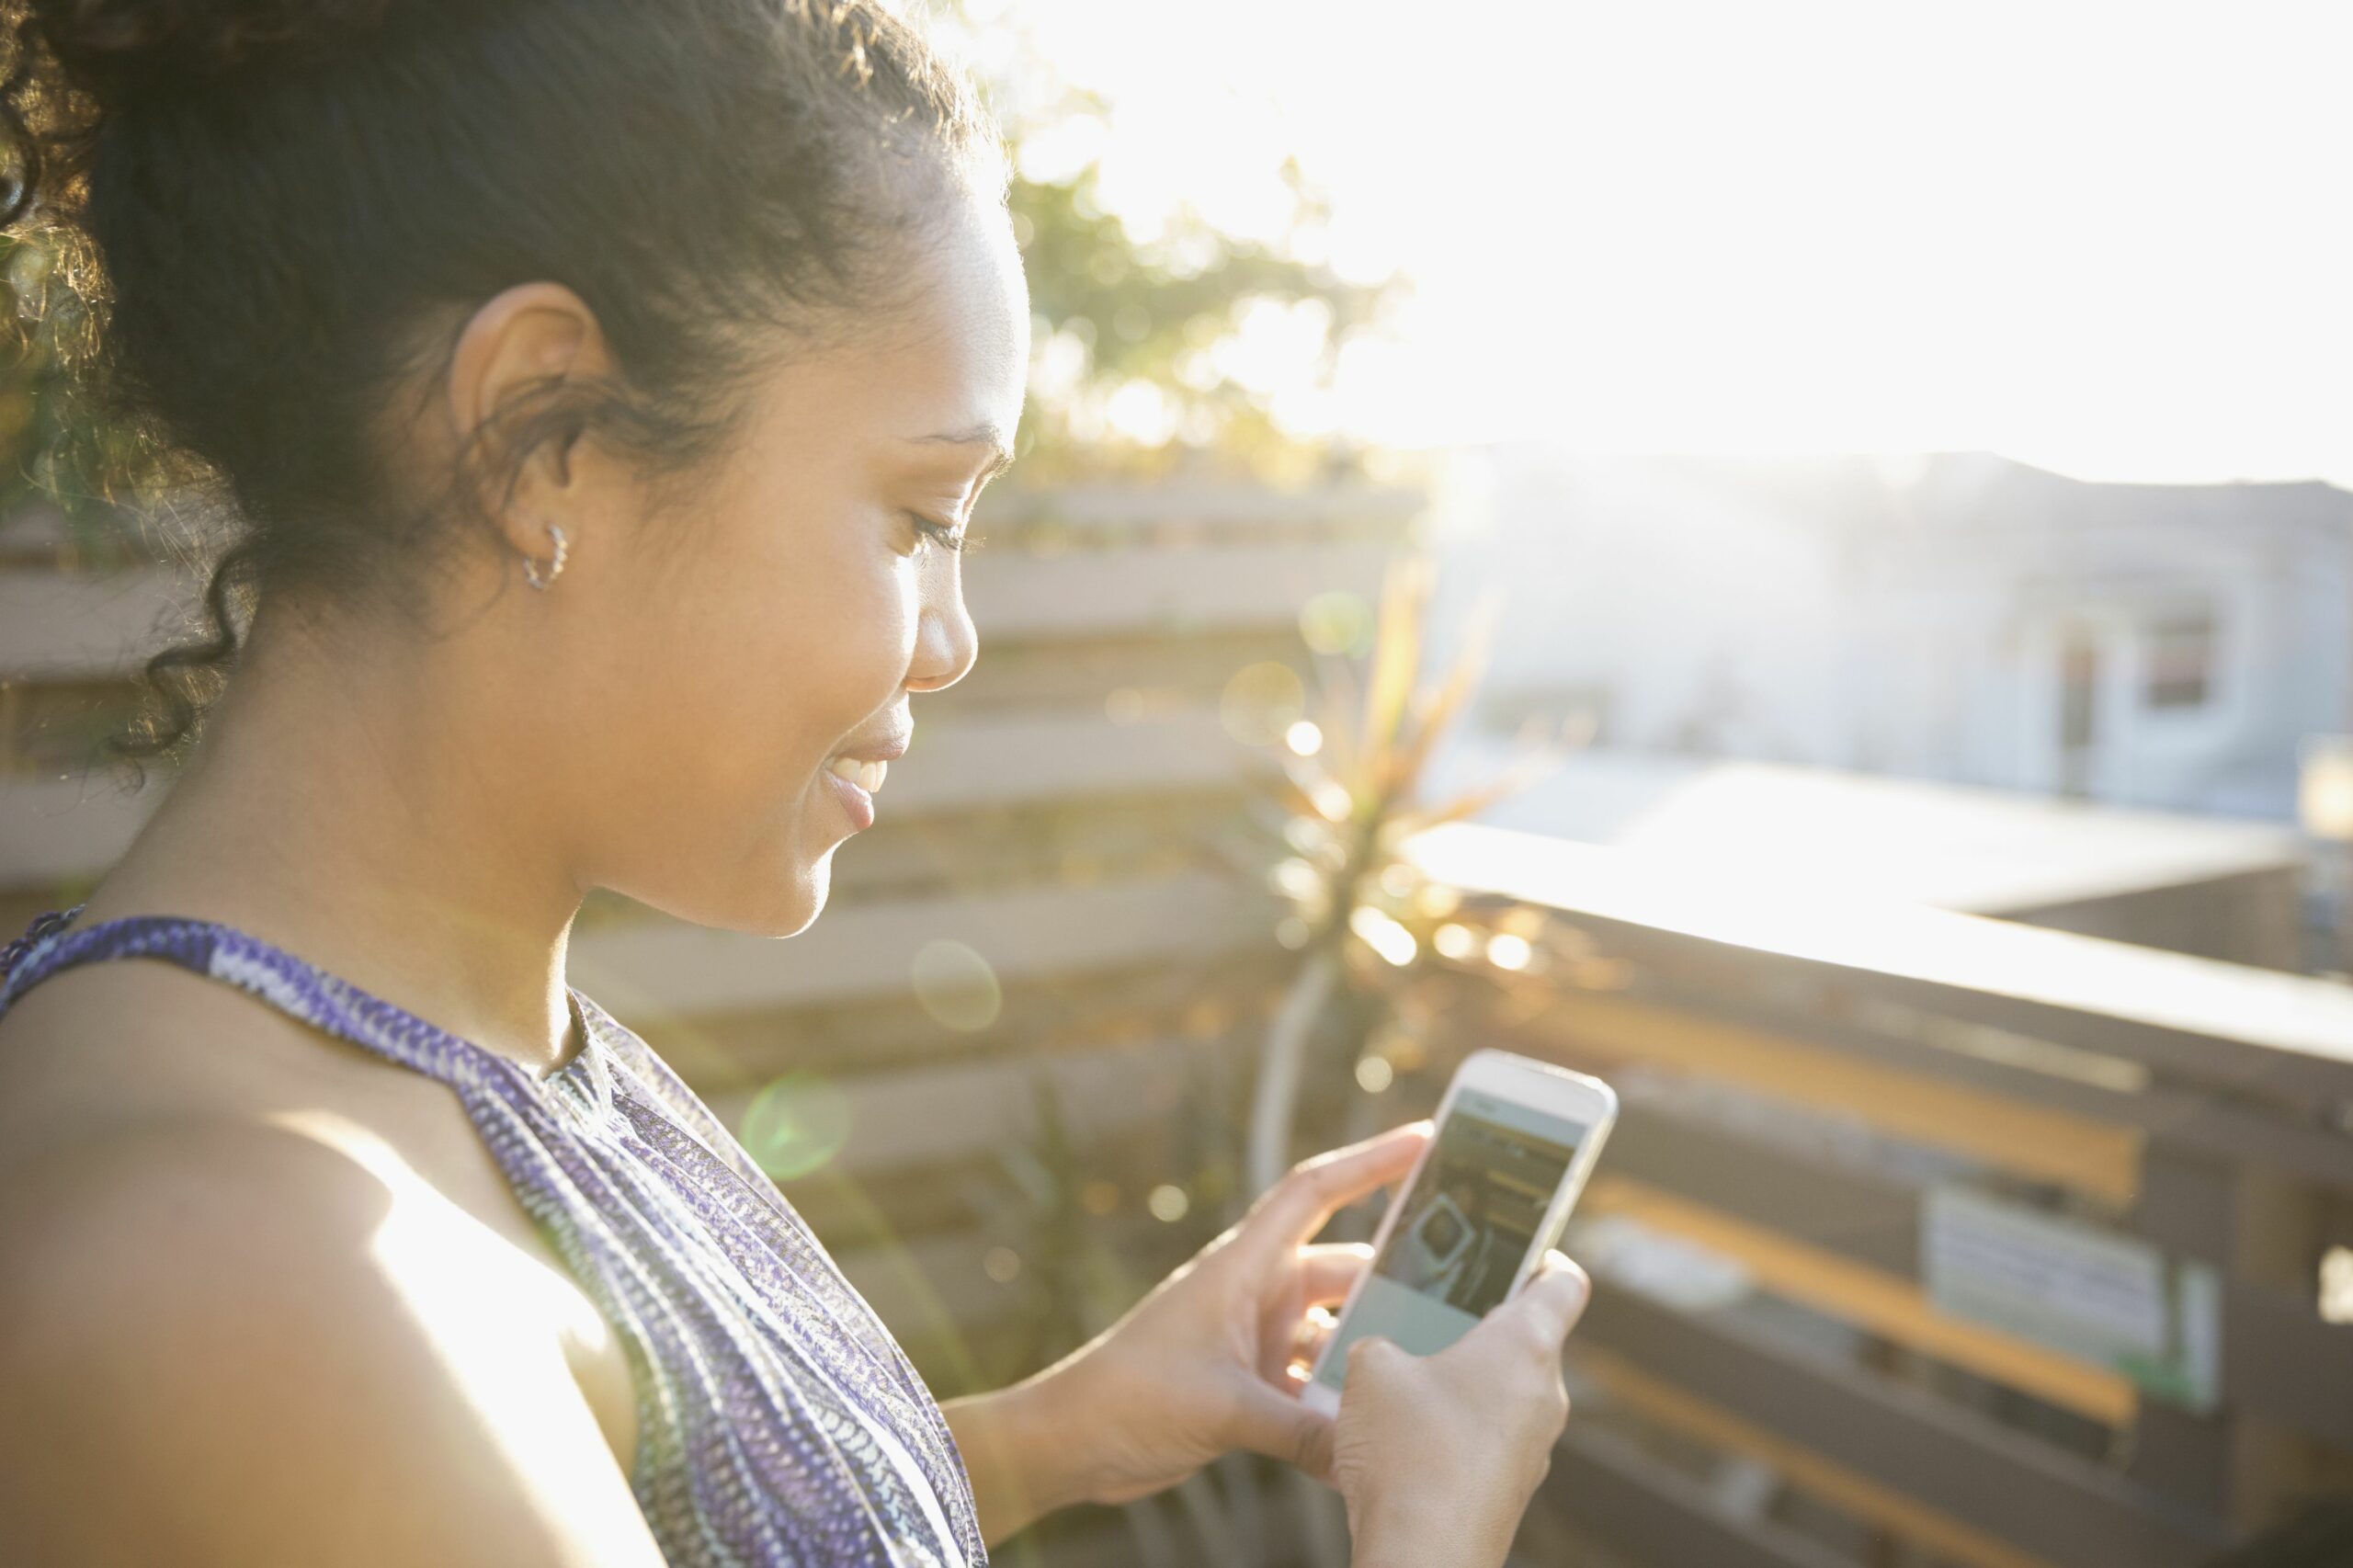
column 1360, row 916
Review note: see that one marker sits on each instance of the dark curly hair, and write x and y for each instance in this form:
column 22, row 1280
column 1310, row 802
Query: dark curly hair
column 281, row 211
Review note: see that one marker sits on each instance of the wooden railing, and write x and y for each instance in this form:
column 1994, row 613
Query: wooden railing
column 1819, row 1097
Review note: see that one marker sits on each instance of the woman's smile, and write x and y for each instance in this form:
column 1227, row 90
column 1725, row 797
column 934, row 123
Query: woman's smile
column 853, row 783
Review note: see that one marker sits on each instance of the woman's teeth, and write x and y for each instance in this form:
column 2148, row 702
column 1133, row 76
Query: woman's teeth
column 867, row 776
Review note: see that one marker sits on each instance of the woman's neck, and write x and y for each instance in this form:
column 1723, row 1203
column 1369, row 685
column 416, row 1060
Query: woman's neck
column 365, row 816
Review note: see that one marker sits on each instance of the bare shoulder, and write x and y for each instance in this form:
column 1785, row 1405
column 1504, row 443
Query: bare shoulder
column 243, row 1318
column 217, row 1351
column 135, row 1041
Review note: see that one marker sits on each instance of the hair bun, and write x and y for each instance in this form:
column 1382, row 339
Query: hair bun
column 116, row 49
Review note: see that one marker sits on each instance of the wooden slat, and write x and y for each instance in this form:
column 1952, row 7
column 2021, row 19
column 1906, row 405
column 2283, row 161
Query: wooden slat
column 1891, row 1510
column 54, row 625
column 938, row 1288
column 2027, row 1495
column 1090, row 1009
column 1206, row 589
column 53, row 829
column 1116, row 1165
column 2200, row 1020
column 1661, row 1517
column 932, row 1289
column 1865, row 1215
column 958, row 765
column 1110, row 836
column 2109, row 1090
column 667, row 969
column 1890, row 1306
column 1118, row 511
column 1074, row 674
column 933, row 1115
column 2075, row 1152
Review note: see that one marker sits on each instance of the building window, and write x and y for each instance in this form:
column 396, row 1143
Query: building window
column 2178, row 665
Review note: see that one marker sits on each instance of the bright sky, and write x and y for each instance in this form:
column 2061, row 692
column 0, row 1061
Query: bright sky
column 2111, row 238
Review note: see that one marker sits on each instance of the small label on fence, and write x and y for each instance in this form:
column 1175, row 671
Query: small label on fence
column 2115, row 1300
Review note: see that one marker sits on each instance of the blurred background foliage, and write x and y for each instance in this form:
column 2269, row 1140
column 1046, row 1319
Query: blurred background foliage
column 65, row 460
column 1127, row 374
column 1132, row 371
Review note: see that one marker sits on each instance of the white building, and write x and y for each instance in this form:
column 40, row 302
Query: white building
column 1956, row 618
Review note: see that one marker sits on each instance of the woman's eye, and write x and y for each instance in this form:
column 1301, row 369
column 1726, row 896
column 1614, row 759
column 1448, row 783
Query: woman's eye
column 936, row 533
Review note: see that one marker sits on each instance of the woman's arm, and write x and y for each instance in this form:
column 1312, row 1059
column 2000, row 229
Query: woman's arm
column 1025, row 1450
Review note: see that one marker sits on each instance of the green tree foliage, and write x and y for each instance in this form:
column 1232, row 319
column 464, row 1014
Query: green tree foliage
column 1155, row 313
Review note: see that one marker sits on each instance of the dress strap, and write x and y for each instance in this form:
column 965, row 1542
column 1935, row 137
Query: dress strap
column 14, row 952
column 51, row 945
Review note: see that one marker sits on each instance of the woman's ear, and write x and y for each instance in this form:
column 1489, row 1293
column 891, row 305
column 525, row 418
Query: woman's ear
column 517, row 354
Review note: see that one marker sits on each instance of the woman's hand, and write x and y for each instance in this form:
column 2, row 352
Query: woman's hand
column 1438, row 1456
column 1201, row 1366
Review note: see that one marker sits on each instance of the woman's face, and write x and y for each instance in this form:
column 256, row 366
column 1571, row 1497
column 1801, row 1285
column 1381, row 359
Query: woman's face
column 722, row 657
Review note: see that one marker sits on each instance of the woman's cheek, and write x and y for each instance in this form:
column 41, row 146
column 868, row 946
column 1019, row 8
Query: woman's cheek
column 867, row 638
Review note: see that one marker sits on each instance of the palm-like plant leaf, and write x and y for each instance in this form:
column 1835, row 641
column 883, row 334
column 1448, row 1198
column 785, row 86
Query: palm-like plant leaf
column 1404, row 589
column 1433, row 716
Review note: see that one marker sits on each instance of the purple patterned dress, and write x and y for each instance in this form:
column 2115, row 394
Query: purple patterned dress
column 777, row 1421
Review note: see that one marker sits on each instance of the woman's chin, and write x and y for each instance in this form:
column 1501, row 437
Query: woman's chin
column 798, row 898
column 783, row 905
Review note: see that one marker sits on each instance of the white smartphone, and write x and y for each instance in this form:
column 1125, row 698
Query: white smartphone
column 1515, row 1140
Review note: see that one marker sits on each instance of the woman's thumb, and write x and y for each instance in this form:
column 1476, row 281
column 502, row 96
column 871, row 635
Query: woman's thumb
column 1556, row 1295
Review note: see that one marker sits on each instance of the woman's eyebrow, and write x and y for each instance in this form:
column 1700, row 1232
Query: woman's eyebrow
column 984, row 435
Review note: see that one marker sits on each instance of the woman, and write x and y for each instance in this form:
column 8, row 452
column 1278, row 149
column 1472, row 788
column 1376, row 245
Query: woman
column 595, row 385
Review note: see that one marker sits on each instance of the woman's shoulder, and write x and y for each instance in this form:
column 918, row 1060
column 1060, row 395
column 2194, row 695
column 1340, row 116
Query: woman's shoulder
column 248, row 1286
column 127, row 1083
column 92, row 1055
column 223, row 1322
column 142, row 1107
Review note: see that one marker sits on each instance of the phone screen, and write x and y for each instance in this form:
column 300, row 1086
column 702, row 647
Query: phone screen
column 1462, row 1228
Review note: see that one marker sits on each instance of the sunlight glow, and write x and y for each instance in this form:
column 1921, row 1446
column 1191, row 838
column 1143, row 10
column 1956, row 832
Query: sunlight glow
column 956, row 985
column 1507, row 951
column 448, row 1267
column 796, row 1124
column 2336, row 1286
column 2094, row 234
column 1382, row 934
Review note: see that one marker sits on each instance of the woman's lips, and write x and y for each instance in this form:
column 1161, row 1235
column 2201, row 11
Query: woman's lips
column 856, row 804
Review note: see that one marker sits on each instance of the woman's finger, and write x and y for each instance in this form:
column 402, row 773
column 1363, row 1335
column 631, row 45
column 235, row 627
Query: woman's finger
column 1296, row 1206
column 1329, row 1270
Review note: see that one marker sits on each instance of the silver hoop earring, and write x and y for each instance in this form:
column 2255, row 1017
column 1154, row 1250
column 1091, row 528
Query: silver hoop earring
column 532, row 567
